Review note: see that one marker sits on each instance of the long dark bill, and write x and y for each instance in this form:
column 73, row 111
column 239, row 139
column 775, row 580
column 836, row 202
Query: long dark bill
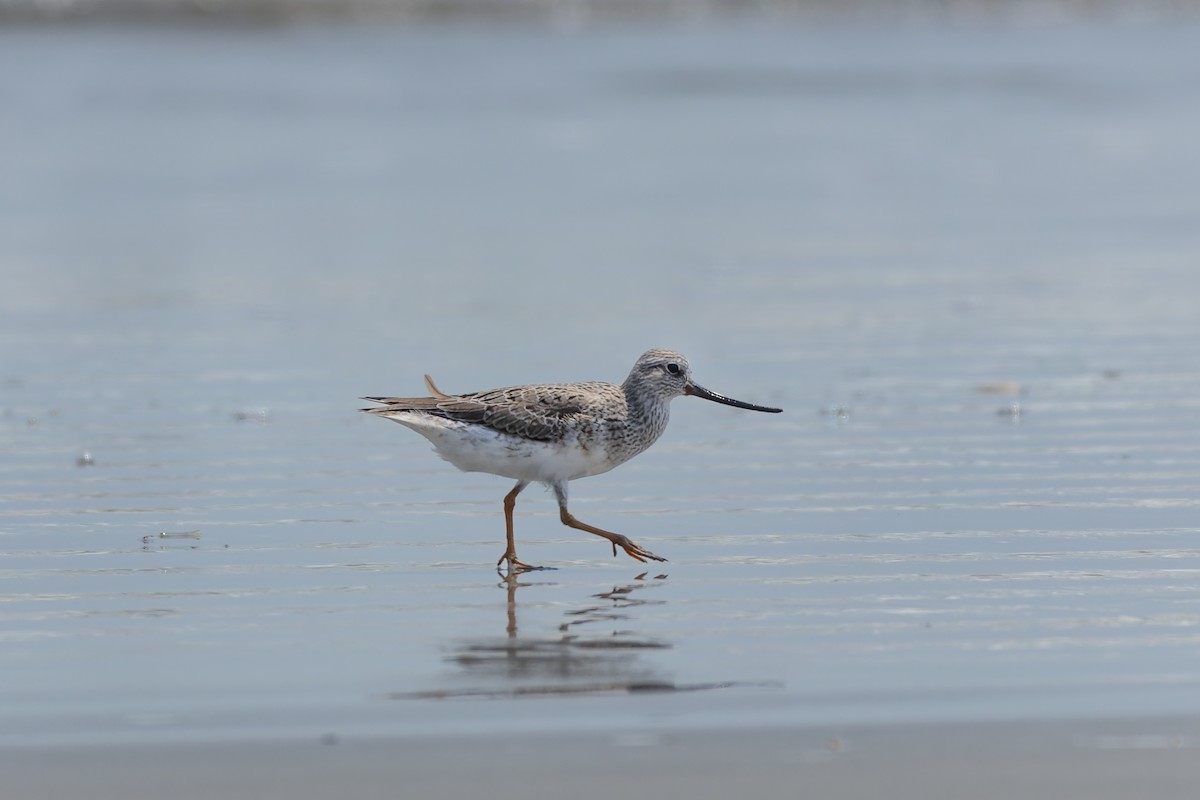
column 699, row 391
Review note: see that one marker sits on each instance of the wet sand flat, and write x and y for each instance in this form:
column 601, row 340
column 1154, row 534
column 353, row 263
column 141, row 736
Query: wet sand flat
column 1105, row 760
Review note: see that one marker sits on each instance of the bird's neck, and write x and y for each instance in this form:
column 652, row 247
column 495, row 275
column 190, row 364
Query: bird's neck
column 646, row 410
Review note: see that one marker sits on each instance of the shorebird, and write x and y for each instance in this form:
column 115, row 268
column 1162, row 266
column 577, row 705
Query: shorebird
column 553, row 433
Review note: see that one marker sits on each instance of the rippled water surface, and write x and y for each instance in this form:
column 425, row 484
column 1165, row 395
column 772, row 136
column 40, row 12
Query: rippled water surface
column 963, row 260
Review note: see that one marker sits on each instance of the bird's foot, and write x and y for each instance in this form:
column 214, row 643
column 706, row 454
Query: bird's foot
column 517, row 566
column 633, row 550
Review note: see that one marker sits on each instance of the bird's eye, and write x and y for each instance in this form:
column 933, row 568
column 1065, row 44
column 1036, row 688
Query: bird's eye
column 673, row 368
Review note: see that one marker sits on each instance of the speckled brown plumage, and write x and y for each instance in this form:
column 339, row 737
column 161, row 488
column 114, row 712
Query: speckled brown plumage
column 541, row 412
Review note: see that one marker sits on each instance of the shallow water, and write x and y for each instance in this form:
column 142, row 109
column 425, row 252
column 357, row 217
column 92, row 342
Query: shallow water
column 963, row 260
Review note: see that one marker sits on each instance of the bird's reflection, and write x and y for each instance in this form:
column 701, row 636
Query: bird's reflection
column 591, row 651
column 585, row 654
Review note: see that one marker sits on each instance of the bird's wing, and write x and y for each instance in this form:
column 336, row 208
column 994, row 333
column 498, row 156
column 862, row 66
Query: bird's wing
column 433, row 390
column 401, row 404
column 541, row 413
column 526, row 412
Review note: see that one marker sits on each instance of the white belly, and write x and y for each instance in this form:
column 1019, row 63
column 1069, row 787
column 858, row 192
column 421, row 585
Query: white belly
column 474, row 448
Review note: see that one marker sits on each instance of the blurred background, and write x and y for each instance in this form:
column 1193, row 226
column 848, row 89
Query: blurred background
column 957, row 241
column 365, row 185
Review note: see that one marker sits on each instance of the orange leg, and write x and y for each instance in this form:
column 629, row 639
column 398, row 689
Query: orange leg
column 510, row 554
column 634, row 550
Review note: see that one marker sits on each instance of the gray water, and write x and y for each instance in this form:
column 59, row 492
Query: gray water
column 963, row 259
